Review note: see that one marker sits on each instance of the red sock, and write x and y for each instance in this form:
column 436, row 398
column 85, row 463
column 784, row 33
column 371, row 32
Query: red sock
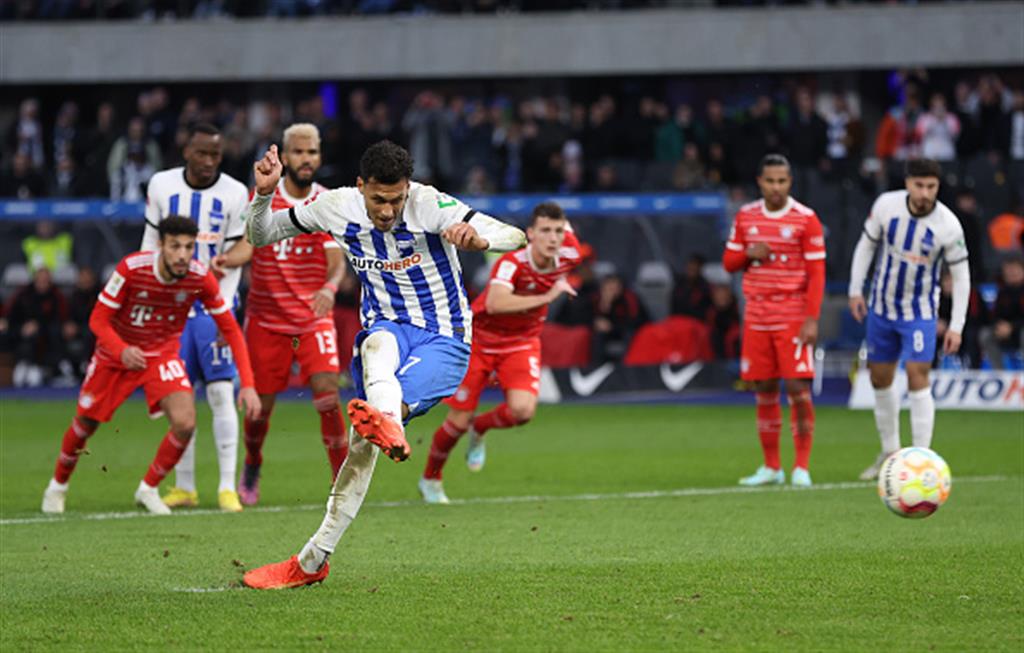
column 332, row 429
column 445, row 438
column 255, row 434
column 769, row 423
column 167, row 456
column 499, row 418
column 70, row 449
column 801, row 415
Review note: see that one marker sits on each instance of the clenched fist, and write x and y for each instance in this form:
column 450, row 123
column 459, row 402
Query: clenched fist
column 267, row 172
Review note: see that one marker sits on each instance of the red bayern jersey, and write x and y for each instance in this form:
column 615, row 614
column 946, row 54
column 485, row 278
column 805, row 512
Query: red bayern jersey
column 150, row 313
column 776, row 290
column 286, row 274
column 516, row 270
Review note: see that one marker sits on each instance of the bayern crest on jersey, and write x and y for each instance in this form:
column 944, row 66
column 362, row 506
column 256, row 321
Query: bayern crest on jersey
column 181, row 296
column 787, row 232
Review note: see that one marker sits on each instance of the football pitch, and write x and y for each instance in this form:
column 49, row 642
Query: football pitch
column 592, row 528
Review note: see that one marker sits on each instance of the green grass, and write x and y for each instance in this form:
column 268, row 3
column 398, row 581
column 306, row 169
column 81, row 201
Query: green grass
column 828, row 569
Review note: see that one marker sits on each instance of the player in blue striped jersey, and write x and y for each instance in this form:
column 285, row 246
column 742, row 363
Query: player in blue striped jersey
column 917, row 234
column 401, row 238
column 215, row 201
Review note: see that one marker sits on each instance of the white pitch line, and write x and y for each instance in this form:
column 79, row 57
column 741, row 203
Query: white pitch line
column 652, row 494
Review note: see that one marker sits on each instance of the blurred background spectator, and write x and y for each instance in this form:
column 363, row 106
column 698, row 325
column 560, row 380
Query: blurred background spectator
column 1004, row 346
column 36, row 317
column 847, row 136
column 616, row 313
column 47, row 248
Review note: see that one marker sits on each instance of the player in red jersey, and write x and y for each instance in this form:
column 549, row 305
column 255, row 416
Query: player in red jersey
column 778, row 242
column 138, row 322
column 288, row 313
column 507, row 321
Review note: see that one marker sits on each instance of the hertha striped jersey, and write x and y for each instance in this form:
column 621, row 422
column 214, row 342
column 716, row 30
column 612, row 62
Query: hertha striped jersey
column 286, row 274
column 906, row 282
column 217, row 210
column 776, row 289
column 409, row 274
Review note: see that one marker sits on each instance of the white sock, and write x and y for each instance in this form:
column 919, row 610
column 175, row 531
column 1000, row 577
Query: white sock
column 887, row 418
column 185, row 470
column 221, row 396
column 56, row 485
column 343, row 503
column 922, row 417
column 380, row 361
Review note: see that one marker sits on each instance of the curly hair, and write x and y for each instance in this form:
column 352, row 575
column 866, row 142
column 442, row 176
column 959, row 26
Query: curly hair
column 386, row 163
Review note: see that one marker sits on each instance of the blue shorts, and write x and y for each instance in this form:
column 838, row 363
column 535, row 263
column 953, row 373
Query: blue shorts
column 205, row 361
column 892, row 340
column 430, row 366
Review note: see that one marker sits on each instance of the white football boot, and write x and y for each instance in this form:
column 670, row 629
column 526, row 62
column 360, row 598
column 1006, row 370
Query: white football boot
column 764, row 476
column 433, row 491
column 800, row 477
column 53, row 497
column 149, row 498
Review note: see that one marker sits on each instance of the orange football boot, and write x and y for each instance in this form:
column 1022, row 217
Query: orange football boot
column 282, row 575
column 379, row 429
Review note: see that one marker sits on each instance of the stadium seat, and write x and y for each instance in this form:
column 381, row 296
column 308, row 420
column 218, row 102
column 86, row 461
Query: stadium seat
column 603, row 268
column 675, row 340
column 108, row 270
column 654, row 287
column 15, row 276
column 564, row 346
column 65, row 275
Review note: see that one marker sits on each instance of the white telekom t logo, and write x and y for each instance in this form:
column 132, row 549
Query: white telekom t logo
column 140, row 314
column 282, row 248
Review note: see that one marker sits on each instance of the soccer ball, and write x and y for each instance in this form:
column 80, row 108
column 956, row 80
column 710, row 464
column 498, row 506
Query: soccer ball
column 914, row 482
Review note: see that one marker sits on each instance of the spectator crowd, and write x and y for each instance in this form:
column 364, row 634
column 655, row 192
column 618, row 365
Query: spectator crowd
column 206, row 9
column 476, row 144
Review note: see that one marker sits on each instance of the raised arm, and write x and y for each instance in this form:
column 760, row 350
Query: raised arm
column 264, row 227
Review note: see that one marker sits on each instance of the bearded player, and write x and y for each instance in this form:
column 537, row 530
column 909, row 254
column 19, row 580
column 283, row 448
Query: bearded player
column 915, row 234
column 778, row 243
column 138, row 322
column 507, row 320
column 215, row 201
column 288, row 313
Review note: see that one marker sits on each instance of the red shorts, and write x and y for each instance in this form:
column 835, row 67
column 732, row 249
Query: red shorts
column 107, row 385
column 515, row 370
column 272, row 354
column 775, row 355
